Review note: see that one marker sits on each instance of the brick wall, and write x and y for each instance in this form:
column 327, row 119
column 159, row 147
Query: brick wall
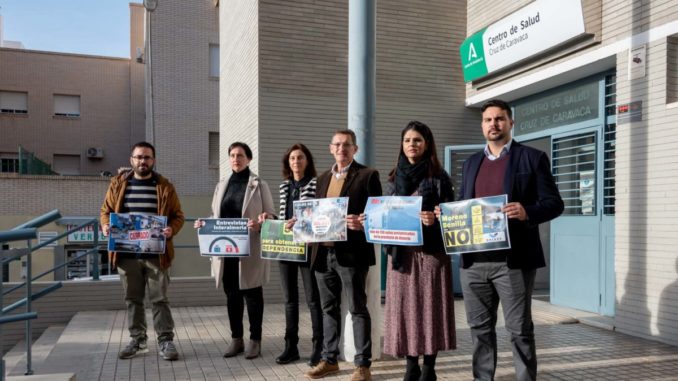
column 185, row 98
column 103, row 84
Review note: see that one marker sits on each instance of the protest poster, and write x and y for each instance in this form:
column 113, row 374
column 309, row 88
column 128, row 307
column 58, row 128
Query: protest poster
column 277, row 243
column 224, row 237
column 320, row 220
column 394, row 220
column 475, row 225
column 137, row 233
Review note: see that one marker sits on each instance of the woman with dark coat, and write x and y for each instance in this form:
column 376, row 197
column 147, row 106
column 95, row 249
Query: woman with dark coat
column 419, row 311
column 299, row 184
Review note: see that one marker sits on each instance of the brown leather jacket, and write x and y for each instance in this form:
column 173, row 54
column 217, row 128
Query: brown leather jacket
column 168, row 205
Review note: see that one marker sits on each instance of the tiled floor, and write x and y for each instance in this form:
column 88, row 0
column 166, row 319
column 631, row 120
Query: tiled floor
column 567, row 352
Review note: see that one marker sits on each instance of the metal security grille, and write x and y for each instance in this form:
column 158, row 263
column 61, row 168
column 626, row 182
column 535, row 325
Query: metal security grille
column 574, row 168
column 457, row 161
column 609, row 143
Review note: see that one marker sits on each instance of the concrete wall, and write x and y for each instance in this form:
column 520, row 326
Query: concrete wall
column 284, row 79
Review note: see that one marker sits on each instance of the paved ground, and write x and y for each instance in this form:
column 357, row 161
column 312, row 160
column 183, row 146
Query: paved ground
column 566, row 351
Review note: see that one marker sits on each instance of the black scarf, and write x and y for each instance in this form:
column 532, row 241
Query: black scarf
column 408, row 176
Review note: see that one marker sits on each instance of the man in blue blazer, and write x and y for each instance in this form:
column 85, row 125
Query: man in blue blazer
column 524, row 174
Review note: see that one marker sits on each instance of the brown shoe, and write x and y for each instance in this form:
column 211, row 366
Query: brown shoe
column 237, row 346
column 253, row 349
column 321, row 370
column 361, row 373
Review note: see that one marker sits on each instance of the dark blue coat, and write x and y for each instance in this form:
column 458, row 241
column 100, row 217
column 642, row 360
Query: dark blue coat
column 528, row 180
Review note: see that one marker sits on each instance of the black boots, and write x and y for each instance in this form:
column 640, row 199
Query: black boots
column 428, row 371
column 291, row 353
column 317, row 352
column 412, row 371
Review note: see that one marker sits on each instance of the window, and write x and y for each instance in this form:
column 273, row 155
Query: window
column 214, row 60
column 9, row 163
column 67, row 105
column 213, row 156
column 66, row 164
column 13, row 102
column 672, row 69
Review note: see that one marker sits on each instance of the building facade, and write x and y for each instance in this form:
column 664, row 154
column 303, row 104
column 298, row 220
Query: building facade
column 593, row 83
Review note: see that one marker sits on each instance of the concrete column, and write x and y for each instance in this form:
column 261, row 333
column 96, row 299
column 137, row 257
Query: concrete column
column 361, row 104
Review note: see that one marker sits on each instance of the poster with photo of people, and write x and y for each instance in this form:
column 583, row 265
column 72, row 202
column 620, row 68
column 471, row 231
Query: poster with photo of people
column 137, row 233
column 320, row 220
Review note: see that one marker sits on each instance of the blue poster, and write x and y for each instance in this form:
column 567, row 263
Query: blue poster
column 394, row 220
column 224, row 237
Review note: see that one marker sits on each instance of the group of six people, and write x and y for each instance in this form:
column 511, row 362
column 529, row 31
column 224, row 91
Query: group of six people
column 419, row 308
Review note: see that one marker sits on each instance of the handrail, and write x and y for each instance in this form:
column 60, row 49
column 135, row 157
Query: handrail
column 35, row 296
column 40, row 220
column 18, row 286
column 18, row 234
column 28, row 231
column 18, row 317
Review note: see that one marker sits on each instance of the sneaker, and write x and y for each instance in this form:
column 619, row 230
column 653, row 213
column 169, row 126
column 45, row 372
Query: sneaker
column 143, row 343
column 321, row 370
column 361, row 373
column 168, row 351
column 135, row 346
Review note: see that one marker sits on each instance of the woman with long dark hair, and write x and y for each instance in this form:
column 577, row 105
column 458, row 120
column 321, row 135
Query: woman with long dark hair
column 419, row 311
column 299, row 173
column 242, row 194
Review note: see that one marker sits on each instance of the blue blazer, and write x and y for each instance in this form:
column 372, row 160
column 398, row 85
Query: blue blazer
column 528, row 180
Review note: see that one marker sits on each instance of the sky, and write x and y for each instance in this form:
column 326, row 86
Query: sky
column 97, row 27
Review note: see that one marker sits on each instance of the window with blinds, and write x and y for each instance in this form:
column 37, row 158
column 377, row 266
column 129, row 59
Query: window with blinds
column 214, row 60
column 67, row 105
column 13, row 102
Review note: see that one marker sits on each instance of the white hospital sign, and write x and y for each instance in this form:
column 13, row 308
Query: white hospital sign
column 540, row 26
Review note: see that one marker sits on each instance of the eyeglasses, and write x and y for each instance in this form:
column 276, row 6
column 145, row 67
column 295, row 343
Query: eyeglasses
column 140, row 158
column 341, row 145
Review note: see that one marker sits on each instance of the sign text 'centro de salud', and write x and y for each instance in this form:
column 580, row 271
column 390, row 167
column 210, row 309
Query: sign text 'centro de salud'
column 533, row 29
column 575, row 104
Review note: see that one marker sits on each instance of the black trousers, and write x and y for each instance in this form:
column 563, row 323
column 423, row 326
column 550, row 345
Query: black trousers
column 237, row 298
column 331, row 279
column 288, row 276
column 484, row 285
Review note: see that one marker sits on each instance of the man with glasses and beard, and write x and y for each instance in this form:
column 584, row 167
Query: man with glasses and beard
column 143, row 191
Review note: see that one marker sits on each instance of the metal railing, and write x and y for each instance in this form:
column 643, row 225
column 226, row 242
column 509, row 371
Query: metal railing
column 28, row 232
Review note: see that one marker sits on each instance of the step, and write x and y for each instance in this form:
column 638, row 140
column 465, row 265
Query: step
column 44, row 377
column 82, row 345
column 15, row 359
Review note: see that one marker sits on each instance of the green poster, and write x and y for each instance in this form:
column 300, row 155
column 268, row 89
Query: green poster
column 277, row 243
